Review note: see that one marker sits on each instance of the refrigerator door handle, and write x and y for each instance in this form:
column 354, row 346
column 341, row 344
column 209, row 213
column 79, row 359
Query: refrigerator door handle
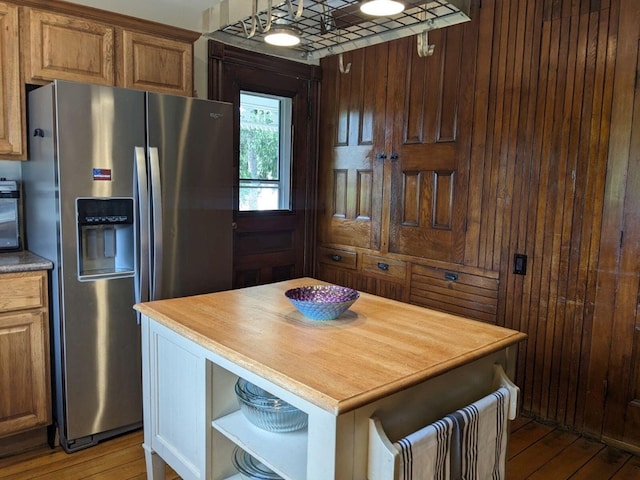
column 156, row 220
column 141, row 199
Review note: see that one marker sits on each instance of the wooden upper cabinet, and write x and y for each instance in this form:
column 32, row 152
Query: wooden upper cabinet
column 45, row 40
column 394, row 161
column 353, row 148
column 11, row 138
column 68, row 48
column 157, row 64
column 429, row 156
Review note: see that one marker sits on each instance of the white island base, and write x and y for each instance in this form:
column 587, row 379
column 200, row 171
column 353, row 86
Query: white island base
column 192, row 419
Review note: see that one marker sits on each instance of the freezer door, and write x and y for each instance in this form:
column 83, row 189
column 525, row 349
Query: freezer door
column 190, row 152
column 98, row 129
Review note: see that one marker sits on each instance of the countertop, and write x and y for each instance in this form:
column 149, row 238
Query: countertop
column 376, row 348
column 23, row 261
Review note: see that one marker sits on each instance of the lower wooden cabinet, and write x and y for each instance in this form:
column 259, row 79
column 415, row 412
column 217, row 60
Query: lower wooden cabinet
column 471, row 295
column 464, row 291
column 384, row 267
column 25, row 398
column 338, row 258
column 379, row 275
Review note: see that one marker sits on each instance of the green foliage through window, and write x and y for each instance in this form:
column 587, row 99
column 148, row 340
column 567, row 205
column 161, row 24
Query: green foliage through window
column 265, row 151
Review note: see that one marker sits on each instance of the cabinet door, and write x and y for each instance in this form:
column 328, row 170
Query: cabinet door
column 351, row 165
column 156, row 64
column 431, row 137
column 24, row 371
column 67, row 48
column 11, row 141
column 176, row 419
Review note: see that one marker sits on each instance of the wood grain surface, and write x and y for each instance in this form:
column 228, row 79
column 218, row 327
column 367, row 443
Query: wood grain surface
column 379, row 346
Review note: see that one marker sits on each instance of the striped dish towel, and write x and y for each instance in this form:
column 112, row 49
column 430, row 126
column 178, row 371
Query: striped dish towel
column 479, row 439
column 425, row 454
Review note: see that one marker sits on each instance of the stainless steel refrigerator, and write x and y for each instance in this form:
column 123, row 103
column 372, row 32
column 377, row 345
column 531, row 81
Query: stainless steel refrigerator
column 129, row 193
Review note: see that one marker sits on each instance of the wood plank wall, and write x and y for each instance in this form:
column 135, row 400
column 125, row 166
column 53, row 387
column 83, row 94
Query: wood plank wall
column 540, row 154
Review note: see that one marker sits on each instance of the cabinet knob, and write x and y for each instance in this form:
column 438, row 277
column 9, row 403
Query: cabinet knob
column 383, row 266
column 381, row 156
column 394, row 157
column 336, row 258
column 453, row 277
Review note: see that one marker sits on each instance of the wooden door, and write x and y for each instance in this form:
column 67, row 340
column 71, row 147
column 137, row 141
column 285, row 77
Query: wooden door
column 11, row 139
column 429, row 114
column 613, row 403
column 67, row 48
column 272, row 245
column 353, row 148
column 157, row 64
column 25, row 400
column 622, row 404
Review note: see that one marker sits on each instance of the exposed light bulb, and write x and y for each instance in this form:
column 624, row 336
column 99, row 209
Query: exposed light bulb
column 282, row 36
column 381, row 8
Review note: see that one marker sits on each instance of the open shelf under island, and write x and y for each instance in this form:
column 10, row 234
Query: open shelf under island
column 403, row 364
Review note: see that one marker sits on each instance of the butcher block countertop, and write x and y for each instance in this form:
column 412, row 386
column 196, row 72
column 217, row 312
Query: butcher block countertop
column 376, row 348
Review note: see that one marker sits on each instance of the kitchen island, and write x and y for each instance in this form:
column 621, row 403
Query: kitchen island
column 404, row 364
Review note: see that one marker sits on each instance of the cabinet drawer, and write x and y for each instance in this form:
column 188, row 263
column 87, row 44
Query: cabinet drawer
column 388, row 267
column 20, row 291
column 469, row 295
column 337, row 258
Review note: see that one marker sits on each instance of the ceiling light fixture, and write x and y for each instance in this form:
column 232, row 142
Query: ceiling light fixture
column 282, row 36
column 382, row 8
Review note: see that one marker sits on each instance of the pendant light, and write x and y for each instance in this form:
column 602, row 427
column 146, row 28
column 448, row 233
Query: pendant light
column 382, row 8
column 282, row 36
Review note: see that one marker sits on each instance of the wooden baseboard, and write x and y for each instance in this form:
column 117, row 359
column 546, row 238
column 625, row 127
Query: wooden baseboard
column 22, row 442
column 628, row 447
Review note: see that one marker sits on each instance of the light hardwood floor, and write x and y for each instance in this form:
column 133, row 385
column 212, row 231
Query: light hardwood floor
column 536, row 451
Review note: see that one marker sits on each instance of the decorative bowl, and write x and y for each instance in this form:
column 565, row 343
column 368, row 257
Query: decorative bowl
column 322, row 302
column 267, row 411
column 250, row 468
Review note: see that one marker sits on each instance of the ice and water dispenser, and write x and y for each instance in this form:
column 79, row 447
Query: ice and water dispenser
column 106, row 238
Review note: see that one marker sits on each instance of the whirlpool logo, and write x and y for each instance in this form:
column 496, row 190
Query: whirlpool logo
column 216, row 115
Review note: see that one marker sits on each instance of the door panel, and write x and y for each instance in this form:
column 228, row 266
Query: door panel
column 632, row 232
column 352, row 162
column 430, row 142
column 98, row 127
column 196, row 179
column 622, row 402
column 273, row 245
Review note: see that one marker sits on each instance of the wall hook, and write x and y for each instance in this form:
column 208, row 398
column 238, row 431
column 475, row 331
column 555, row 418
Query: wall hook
column 424, row 49
column 341, row 64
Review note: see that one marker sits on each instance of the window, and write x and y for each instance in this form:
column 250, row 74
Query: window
column 265, row 152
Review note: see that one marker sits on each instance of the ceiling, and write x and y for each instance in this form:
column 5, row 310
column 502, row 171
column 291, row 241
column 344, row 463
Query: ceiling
column 329, row 26
column 178, row 13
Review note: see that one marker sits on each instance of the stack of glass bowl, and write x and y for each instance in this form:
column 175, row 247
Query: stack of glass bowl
column 250, row 468
column 267, row 411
